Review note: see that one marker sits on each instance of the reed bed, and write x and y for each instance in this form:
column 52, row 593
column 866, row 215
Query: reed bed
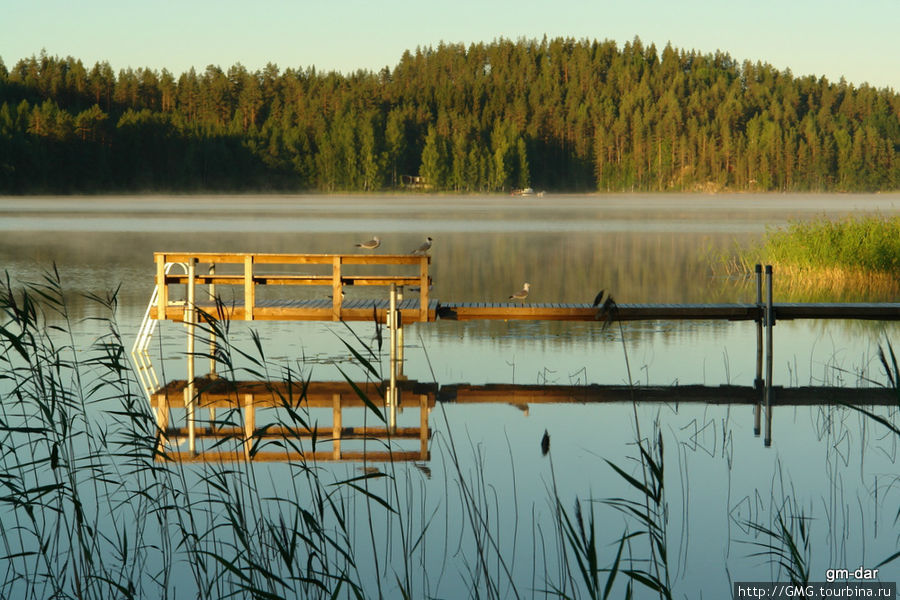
column 846, row 254
column 91, row 506
column 869, row 243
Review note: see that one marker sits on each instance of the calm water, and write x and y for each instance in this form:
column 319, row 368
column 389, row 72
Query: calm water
column 824, row 460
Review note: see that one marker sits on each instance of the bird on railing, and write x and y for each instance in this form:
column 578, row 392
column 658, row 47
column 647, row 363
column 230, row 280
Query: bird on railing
column 424, row 248
column 370, row 245
column 521, row 294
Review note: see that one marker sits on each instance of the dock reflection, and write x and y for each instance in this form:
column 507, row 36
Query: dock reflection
column 279, row 421
column 342, row 421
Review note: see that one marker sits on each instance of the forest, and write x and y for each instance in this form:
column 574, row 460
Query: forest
column 556, row 115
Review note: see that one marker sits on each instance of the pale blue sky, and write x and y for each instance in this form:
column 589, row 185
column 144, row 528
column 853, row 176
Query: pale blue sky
column 856, row 39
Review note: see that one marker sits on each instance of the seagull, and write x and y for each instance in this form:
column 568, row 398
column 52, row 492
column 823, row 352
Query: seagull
column 424, row 248
column 370, row 245
column 521, row 294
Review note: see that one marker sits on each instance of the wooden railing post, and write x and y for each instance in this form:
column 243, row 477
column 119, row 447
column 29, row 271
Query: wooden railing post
column 336, row 427
column 162, row 298
column 212, row 336
column 337, row 288
column 190, row 319
column 423, row 427
column 249, row 289
column 249, row 425
column 423, row 283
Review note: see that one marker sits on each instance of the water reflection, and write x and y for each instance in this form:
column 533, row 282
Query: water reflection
column 285, row 421
column 341, row 421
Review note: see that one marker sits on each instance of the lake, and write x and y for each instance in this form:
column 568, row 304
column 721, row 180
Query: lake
column 486, row 495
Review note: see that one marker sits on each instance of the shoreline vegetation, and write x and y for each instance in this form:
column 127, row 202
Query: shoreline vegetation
column 557, row 114
column 825, row 255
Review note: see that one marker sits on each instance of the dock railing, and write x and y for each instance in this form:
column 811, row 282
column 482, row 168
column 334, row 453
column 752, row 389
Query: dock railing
column 255, row 265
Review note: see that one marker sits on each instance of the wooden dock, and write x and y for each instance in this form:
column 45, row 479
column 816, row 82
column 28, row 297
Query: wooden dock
column 253, row 272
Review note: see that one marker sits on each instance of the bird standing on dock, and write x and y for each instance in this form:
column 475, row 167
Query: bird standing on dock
column 370, row 245
column 424, row 248
column 521, row 294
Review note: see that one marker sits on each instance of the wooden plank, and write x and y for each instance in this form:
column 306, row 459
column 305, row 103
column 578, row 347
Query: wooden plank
column 264, row 258
column 725, row 394
column 162, row 298
column 323, row 433
column 249, row 289
column 337, row 289
column 318, row 456
column 424, row 282
column 219, row 393
column 285, row 279
column 858, row 310
column 586, row 312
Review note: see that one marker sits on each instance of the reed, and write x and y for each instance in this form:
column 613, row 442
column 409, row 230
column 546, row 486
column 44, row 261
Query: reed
column 856, row 246
column 94, row 507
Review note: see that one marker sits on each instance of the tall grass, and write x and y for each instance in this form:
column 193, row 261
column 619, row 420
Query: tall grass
column 870, row 244
column 93, row 507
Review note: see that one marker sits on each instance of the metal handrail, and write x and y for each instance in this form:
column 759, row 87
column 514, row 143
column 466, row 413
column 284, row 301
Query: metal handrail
column 139, row 351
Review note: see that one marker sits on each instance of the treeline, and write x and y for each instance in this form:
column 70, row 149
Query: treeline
column 554, row 114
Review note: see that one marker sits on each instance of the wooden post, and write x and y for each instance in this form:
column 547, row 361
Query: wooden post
column 399, row 335
column 336, row 427
column 423, row 289
column 162, row 298
column 423, row 427
column 249, row 289
column 337, row 288
column 190, row 314
column 392, row 328
column 189, row 412
column 212, row 337
column 161, row 412
column 249, row 424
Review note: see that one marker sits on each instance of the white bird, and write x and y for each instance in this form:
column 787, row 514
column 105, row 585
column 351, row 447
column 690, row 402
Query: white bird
column 424, row 248
column 521, row 294
column 370, row 245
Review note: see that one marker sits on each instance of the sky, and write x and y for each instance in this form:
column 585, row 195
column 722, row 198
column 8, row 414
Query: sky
column 854, row 39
